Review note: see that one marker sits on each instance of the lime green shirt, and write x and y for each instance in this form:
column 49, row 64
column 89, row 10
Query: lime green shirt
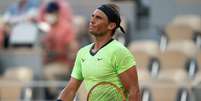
column 105, row 65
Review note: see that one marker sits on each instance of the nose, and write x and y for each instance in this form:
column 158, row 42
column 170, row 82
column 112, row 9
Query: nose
column 92, row 20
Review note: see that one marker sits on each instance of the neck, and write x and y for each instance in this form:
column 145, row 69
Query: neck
column 101, row 40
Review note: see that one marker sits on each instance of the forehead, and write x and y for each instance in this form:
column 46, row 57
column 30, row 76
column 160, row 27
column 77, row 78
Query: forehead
column 100, row 13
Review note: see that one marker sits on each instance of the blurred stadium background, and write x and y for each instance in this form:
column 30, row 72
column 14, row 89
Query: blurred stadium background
column 163, row 35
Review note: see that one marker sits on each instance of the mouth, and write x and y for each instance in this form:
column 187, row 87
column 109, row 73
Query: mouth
column 91, row 27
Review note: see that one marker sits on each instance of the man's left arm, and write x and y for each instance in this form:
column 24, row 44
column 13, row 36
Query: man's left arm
column 129, row 79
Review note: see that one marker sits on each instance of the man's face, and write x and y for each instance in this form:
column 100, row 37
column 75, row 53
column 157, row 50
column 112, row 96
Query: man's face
column 98, row 25
column 52, row 18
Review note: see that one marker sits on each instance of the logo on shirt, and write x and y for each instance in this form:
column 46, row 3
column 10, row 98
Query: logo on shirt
column 82, row 59
column 99, row 59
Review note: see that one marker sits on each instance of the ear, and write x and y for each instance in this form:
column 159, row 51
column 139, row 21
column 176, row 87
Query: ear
column 112, row 25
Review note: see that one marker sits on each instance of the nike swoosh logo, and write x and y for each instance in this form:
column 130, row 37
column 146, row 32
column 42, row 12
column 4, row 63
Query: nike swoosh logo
column 99, row 59
column 82, row 60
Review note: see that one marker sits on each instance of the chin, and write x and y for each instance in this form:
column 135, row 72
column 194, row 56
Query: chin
column 92, row 33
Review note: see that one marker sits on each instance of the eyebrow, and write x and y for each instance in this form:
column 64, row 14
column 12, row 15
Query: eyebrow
column 93, row 15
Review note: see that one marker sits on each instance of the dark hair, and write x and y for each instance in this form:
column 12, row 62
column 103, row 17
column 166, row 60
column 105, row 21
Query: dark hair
column 52, row 7
column 112, row 12
column 116, row 9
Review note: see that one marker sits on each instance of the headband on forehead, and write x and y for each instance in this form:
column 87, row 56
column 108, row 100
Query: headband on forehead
column 112, row 15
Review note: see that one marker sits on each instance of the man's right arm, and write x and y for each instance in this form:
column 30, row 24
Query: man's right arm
column 68, row 93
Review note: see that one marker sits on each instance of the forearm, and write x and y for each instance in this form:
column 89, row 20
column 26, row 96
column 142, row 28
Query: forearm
column 67, row 94
column 134, row 94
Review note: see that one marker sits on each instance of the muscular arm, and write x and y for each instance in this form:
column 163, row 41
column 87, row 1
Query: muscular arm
column 130, row 81
column 68, row 93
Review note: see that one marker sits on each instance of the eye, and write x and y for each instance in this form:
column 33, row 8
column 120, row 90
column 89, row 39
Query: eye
column 99, row 17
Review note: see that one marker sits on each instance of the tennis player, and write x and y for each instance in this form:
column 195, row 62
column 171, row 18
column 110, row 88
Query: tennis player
column 104, row 60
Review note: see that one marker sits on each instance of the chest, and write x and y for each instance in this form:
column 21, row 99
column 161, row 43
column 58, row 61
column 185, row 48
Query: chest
column 98, row 66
